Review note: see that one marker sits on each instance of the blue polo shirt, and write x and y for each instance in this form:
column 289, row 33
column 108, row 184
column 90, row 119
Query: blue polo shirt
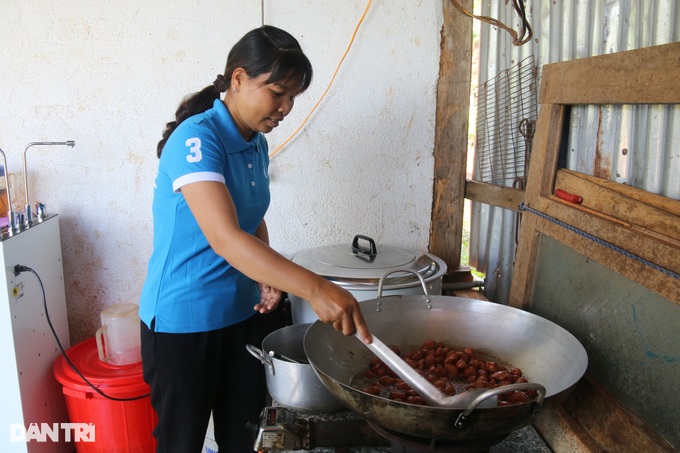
column 189, row 288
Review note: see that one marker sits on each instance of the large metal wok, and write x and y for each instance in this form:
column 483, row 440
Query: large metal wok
column 544, row 351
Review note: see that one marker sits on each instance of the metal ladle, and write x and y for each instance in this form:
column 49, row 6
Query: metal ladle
column 469, row 399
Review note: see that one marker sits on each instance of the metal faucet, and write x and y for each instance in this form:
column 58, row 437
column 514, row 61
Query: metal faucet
column 29, row 215
column 10, row 213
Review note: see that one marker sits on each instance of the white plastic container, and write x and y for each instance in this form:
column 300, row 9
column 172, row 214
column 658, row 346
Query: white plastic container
column 118, row 339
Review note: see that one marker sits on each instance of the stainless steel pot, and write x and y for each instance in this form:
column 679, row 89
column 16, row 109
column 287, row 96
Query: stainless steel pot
column 358, row 267
column 546, row 353
column 294, row 385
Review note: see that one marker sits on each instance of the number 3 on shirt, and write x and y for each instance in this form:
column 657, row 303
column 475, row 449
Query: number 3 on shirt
column 194, row 145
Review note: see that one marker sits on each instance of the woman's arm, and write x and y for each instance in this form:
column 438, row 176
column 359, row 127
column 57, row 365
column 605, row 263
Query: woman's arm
column 269, row 297
column 214, row 210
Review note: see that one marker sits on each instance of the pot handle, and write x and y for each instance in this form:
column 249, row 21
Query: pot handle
column 101, row 344
column 356, row 248
column 381, row 282
column 261, row 356
column 500, row 390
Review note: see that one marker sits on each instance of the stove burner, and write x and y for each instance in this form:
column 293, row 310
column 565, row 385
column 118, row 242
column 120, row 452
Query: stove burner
column 403, row 443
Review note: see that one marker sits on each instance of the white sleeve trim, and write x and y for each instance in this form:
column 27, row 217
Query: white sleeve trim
column 196, row 177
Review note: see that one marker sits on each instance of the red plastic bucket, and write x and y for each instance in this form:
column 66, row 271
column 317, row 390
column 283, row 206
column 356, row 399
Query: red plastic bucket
column 119, row 426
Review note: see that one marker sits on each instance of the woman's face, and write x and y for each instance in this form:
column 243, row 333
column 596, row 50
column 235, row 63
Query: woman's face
column 257, row 106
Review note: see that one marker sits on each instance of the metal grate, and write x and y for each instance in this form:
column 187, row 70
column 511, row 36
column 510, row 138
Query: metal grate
column 506, row 119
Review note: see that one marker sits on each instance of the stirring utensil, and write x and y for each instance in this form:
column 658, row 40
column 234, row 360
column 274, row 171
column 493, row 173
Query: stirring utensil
column 280, row 356
column 431, row 394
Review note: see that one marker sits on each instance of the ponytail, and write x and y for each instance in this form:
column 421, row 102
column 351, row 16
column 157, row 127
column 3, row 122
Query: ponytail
column 191, row 105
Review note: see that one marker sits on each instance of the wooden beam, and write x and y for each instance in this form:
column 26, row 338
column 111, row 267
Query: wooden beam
column 610, row 424
column 643, row 211
column 613, row 79
column 451, row 135
column 543, row 164
column 634, row 270
column 563, row 433
column 657, row 201
column 522, row 288
column 503, row 197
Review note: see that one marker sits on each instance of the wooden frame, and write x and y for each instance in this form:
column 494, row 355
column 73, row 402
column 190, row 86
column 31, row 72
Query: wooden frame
column 638, row 222
column 643, row 224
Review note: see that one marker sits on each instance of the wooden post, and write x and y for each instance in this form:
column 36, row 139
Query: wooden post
column 451, row 138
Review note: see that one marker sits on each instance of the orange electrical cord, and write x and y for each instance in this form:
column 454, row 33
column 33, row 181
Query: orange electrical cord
column 356, row 29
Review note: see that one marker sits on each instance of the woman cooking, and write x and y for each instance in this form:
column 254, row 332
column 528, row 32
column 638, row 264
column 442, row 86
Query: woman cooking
column 212, row 274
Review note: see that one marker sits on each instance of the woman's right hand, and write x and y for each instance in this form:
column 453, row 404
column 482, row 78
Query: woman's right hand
column 337, row 306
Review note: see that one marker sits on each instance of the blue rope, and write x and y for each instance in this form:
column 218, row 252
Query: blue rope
column 523, row 207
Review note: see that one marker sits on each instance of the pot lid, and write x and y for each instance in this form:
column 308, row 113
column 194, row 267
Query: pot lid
column 363, row 263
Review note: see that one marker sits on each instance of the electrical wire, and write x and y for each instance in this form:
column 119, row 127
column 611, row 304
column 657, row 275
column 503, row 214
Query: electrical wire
column 21, row 268
column 525, row 36
column 518, row 5
column 356, row 29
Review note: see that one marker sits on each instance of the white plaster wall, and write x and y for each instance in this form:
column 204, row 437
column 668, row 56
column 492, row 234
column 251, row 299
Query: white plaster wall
column 110, row 75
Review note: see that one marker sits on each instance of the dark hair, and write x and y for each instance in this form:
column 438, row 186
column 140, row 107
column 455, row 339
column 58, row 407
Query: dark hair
column 260, row 51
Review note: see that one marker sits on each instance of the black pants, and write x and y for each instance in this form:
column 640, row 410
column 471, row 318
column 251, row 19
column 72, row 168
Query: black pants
column 195, row 373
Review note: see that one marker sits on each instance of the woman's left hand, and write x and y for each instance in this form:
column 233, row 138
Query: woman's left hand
column 269, row 298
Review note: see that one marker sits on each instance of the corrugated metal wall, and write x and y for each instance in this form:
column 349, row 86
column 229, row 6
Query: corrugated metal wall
column 636, row 145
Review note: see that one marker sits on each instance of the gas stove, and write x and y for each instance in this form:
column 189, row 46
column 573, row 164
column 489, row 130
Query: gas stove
column 284, row 430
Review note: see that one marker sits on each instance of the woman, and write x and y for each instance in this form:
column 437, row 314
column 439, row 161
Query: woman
column 212, row 274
